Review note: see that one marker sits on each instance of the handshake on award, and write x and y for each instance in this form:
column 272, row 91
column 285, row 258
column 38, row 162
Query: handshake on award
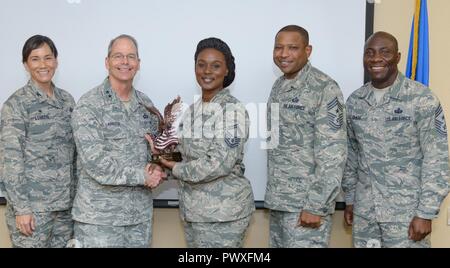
column 163, row 145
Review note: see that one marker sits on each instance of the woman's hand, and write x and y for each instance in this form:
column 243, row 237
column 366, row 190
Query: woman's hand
column 25, row 224
column 168, row 164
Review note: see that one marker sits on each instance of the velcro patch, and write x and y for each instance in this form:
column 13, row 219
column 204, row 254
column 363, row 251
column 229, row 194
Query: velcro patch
column 232, row 141
column 335, row 114
column 439, row 122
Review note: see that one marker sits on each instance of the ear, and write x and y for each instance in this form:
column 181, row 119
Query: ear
column 25, row 65
column 399, row 56
column 138, row 67
column 308, row 50
column 107, row 63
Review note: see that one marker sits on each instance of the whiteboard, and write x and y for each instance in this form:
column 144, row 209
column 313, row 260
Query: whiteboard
column 168, row 31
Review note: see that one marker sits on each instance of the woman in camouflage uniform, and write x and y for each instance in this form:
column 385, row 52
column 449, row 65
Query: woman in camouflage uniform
column 38, row 150
column 216, row 199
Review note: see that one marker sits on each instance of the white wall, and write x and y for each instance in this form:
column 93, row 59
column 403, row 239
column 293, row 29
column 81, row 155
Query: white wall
column 168, row 32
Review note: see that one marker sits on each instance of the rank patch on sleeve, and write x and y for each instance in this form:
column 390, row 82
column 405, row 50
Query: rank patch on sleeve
column 335, row 114
column 231, row 140
column 439, row 121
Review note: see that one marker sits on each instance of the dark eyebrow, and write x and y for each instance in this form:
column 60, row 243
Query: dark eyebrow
column 381, row 48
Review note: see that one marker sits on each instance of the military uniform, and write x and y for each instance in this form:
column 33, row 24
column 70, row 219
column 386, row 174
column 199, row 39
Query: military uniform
column 216, row 199
column 306, row 164
column 2, row 185
column 113, row 153
column 397, row 164
column 38, row 164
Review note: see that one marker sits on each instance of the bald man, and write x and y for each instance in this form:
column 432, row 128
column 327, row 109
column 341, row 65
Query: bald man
column 397, row 169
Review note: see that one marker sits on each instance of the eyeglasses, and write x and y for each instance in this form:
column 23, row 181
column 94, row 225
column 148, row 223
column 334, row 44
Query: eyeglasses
column 121, row 57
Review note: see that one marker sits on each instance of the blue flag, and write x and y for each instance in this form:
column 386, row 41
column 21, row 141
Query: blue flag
column 418, row 66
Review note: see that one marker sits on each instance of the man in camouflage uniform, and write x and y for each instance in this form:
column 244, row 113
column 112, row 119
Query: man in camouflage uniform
column 38, row 153
column 397, row 169
column 113, row 206
column 2, row 185
column 305, row 167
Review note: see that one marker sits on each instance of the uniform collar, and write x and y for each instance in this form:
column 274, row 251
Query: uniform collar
column 111, row 97
column 58, row 99
column 298, row 81
column 201, row 107
column 220, row 95
column 394, row 92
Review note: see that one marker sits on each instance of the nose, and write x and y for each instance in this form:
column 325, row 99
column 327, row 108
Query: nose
column 42, row 63
column 125, row 60
column 284, row 52
column 208, row 70
column 376, row 57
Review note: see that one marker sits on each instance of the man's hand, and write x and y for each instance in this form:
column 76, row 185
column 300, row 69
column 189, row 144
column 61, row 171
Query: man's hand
column 154, row 175
column 25, row 224
column 307, row 219
column 348, row 214
column 419, row 228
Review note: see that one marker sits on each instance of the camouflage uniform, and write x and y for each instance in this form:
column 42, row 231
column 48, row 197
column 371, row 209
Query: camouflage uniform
column 285, row 232
column 113, row 153
column 216, row 199
column 2, row 185
column 109, row 236
column 305, row 168
column 397, row 164
column 38, row 164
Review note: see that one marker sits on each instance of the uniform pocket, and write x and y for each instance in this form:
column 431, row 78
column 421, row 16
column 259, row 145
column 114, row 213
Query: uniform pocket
column 114, row 132
column 360, row 125
column 294, row 113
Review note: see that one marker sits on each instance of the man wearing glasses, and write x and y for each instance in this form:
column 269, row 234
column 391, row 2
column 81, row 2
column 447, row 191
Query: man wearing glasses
column 113, row 206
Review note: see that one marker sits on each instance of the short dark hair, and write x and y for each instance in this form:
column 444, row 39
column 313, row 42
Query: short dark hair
column 384, row 35
column 221, row 46
column 295, row 28
column 123, row 36
column 37, row 41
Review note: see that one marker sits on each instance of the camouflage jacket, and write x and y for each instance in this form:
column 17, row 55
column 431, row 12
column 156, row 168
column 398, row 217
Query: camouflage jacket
column 305, row 167
column 2, row 185
column 397, row 164
column 113, row 153
column 38, row 150
column 211, row 177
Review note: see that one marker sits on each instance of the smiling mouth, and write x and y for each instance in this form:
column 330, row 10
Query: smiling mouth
column 377, row 68
column 285, row 63
column 122, row 69
column 207, row 80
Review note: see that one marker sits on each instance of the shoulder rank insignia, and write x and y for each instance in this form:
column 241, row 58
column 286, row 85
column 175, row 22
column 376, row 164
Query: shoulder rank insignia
column 335, row 114
column 439, row 121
